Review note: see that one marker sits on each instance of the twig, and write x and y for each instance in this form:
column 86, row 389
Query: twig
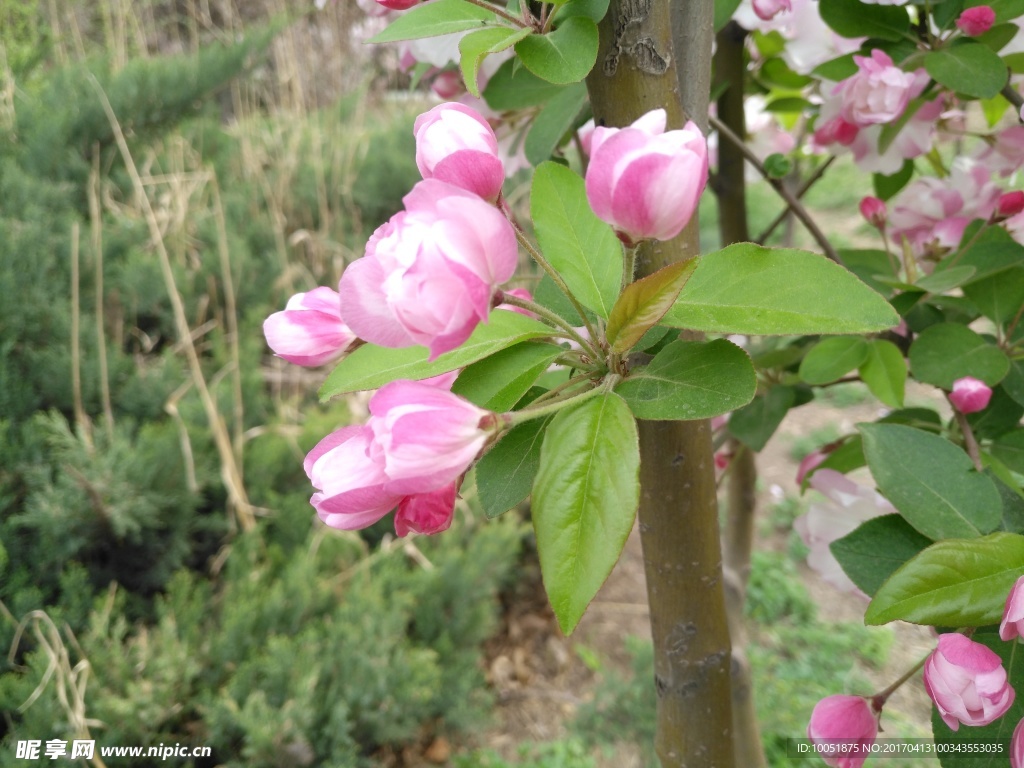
column 811, row 181
column 794, row 204
column 96, row 223
column 970, row 441
column 76, row 355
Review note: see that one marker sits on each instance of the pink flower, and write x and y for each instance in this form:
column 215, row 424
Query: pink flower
column 1009, row 204
column 874, row 211
column 847, row 505
column 842, row 729
column 429, row 273
column 808, row 465
column 1017, row 747
column 424, row 436
column 350, row 481
column 455, row 144
column 309, row 331
column 769, row 9
column 967, row 682
column 976, row 21
column 878, row 93
column 836, row 131
column 1013, row 614
column 646, row 181
column 426, row 513
column 970, row 395
column 398, row 5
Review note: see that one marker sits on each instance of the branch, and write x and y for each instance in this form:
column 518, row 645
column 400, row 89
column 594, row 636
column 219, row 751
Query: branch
column 795, row 205
column 811, row 181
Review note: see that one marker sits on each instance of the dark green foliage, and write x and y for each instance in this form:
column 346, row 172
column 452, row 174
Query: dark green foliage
column 312, row 655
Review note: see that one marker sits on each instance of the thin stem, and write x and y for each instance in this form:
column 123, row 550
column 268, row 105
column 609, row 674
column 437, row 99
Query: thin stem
column 811, row 181
column 628, row 266
column 553, row 274
column 970, row 441
column 565, row 385
column 551, row 317
column 502, row 13
column 795, row 205
column 526, row 414
column 1011, row 95
column 967, row 246
column 879, row 699
column 1013, row 323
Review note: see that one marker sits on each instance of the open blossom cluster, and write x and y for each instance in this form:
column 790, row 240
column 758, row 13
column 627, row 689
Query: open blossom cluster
column 429, row 276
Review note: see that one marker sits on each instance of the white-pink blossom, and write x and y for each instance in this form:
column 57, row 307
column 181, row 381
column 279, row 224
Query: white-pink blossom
column 967, row 682
column 310, row 330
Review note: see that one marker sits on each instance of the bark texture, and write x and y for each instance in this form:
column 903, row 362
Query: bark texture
column 678, row 505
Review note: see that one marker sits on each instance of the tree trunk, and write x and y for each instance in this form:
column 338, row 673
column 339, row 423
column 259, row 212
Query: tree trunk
column 678, row 506
column 731, row 191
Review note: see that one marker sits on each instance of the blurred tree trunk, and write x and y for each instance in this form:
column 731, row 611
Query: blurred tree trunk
column 731, row 190
column 636, row 71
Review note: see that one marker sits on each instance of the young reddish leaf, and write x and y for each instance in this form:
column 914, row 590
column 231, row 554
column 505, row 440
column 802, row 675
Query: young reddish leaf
column 644, row 303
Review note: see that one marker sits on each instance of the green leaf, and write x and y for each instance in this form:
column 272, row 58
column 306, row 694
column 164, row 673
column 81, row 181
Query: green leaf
column 585, row 499
column 852, row 18
column 836, row 69
column 969, row 68
column 582, row 248
column 643, row 304
column 1015, row 61
column 475, row 47
column 885, row 372
column 868, row 264
column 998, row 36
column 746, row 288
column 931, row 482
column 555, row 119
column 1002, row 414
column 499, row 381
column 999, row 296
column 790, row 104
column 955, row 583
column 876, row 549
column 563, row 56
column 994, row 108
column 756, row 423
column 831, row 359
column 887, row 186
column 370, row 366
column 846, row 458
column 1014, row 381
column 946, row 280
column 1009, row 448
column 690, row 380
column 592, row 9
column 514, row 87
column 724, row 9
column 990, row 746
column 776, row 72
column 440, row 17
column 946, row 352
column 505, row 474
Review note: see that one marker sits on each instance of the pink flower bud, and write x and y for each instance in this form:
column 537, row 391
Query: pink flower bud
column 425, row 437
column 836, row 131
column 976, row 21
column 722, row 459
column 842, row 729
column 646, row 181
column 1017, row 746
column 967, row 682
column 874, row 211
column 429, row 273
column 1009, row 204
column 427, row 513
column 455, row 144
column 878, row 93
column 309, row 331
column 767, row 10
column 447, row 84
column 970, row 395
column 1013, row 614
column 398, row 5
